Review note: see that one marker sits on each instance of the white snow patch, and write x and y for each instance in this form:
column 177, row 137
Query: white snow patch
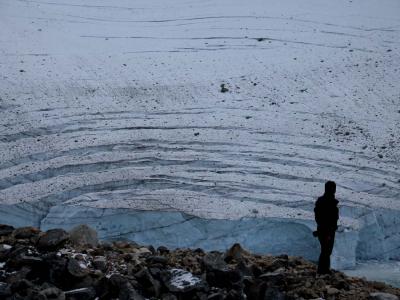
column 182, row 279
column 6, row 247
column 82, row 265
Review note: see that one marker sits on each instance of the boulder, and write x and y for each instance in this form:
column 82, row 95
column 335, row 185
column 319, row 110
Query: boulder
column 162, row 250
column 5, row 249
column 52, row 293
column 332, row 291
column 25, row 232
column 149, row 284
column 52, row 239
column 23, row 256
column 76, row 269
column 218, row 272
column 121, row 288
column 236, row 252
column 83, row 235
column 157, row 260
column 214, row 261
column 127, row 292
column 273, row 293
column 168, row 296
column 100, row 263
column 5, row 229
column 21, row 286
column 56, row 267
column 255, row 289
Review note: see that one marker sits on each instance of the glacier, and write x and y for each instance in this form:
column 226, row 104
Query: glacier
column 112, row 113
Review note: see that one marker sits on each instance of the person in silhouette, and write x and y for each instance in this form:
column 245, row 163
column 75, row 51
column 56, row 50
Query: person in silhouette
column 326, row 216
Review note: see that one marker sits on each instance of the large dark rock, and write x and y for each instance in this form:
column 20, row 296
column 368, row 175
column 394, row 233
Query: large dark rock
column 255, row 289
column 273, row 293
column 127, row 292
column 5, row 290
column 168, row 296
column 218, row 272
column 76, row 269
column 120, row 287
column 25, row 232
column 83, row 235
column 24, row 256
column 56, row 268
column 5, row 250
column 214, row 261
column 52, row 239
column 52, row 293
column 162, row 250
column 235, row 295
column 246, row 270
column 5, row 229
column 21, row 287
column 100, row 263
column 151, row 286
column 236, row 252
column 157, row 260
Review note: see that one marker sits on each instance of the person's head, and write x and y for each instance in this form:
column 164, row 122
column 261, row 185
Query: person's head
column 330, row 188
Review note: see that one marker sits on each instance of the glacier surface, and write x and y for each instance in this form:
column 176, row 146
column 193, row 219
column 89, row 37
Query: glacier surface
column 112, row 113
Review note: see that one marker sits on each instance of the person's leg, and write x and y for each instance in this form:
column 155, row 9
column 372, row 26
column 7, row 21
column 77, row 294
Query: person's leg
column 330, row 243
column 323, row 262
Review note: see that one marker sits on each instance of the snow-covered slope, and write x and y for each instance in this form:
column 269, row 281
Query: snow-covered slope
column 111, row 113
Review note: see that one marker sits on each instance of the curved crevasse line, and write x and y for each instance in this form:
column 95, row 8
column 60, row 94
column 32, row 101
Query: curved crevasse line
column 99, row 166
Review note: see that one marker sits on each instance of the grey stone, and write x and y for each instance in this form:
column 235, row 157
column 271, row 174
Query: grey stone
column 100, row 263
column 5, row 229
column 273, row 293
column 25, row 232
column 53, row 239
column 127, row 292
column 53, row 293
column 83, row 235
column 214, row 261
column 168, row 297
column 75, row 269
column 236, row 252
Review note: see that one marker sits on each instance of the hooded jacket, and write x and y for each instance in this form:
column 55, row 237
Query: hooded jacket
column 326, row 213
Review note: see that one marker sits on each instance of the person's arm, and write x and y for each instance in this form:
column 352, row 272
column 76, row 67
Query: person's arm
column 317, row 212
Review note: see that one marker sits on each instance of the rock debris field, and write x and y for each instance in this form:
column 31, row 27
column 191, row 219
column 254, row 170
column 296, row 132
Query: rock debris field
column 74, row 265
column 202, row 124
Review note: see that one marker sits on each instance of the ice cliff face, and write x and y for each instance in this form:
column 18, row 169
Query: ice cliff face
column 114, row 115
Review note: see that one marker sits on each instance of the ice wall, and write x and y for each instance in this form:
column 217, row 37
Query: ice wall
column 292, row 236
